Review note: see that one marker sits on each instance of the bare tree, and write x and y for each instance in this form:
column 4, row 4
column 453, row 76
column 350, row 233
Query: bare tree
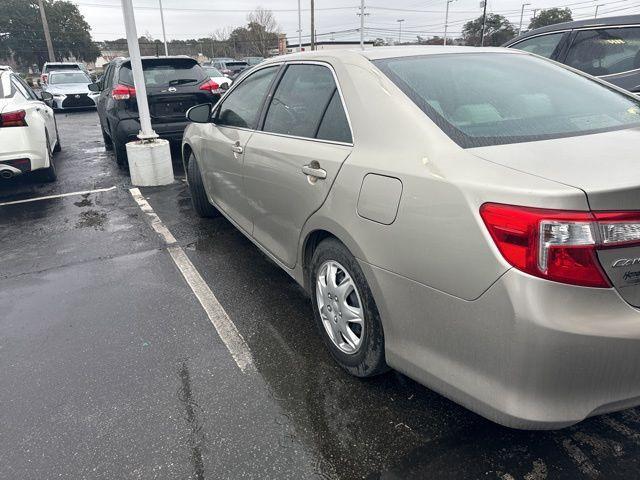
column 263, row 30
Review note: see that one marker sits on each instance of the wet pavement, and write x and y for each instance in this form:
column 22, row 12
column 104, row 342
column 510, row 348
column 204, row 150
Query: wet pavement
column 111, row 368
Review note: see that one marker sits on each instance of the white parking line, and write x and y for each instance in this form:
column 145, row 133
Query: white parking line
column 216, row 313
column 48, row 197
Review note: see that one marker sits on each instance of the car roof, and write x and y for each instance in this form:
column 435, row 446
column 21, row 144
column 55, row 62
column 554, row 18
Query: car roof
column 378, row 53
column 592, row 22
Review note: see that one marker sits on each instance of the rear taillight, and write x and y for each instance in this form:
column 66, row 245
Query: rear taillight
column 13, row 119
column 123, row 92
column 559, row 245
column 211, row 86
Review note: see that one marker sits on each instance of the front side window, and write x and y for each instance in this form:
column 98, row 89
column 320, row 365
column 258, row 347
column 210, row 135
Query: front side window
column 605, row 51
column 300, row 101
column 543, row 45
column 242, row 106
column 481, row 99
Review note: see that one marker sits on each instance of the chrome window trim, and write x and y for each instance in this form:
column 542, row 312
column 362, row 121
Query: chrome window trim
column 344, row 106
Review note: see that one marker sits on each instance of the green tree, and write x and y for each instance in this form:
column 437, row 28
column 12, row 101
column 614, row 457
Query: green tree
column 22, row 36
column 497, row 31
column 550, row 16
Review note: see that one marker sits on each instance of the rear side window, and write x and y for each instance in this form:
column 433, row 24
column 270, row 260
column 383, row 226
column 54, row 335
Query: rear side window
column 543, row 45
column 242, row 106
column 481, row 99
column 108, row 77
column 300, row 101
column 334, row 125
column 165, row 73
column 605, row 51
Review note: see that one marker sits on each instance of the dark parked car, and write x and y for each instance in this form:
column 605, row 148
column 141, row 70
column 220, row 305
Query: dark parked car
column 608, row 48
column 174, row 84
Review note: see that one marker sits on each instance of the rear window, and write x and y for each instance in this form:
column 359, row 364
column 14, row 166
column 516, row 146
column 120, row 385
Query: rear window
column 165, row 72
column 481, row 99
column 236, row 64
column 61, row 66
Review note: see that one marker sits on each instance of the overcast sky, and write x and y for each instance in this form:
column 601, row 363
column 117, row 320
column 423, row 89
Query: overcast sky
column 199, row 18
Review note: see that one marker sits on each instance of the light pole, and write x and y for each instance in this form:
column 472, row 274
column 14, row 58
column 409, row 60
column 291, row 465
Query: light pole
column 596, row 14
column 446, row 21
column 522, row 17
column 164, row 35
column 313, row 25
column 400, row 20
column 299, row 28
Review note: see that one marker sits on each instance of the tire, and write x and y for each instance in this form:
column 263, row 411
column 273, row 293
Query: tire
column 58, row 147
column 364, row 358
column 47, row 174
column 120, row 151
column 108, row 144
column 199, row 198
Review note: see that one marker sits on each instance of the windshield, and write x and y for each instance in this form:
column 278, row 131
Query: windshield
column 165, row 73
column 481, row 99
column 213, row 72
column 68, row 77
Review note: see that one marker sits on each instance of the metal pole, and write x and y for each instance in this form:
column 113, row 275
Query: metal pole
column 400, row 29
column 164, row 34
column 313, row 26
column 299, row 27
column 146, row 130
column 446, row 22
column 484, row 22
column 522, row 17
column 596, row 15
column 47, row 35
column 362, row 24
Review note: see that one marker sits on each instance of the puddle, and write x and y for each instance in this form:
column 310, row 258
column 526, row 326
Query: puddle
column 92, row 219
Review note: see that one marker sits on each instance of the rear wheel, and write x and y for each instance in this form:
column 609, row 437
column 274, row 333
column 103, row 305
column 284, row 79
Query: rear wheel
column 120, row 151
column 58, row 147
column 345, row 312
column 199, row 198
column 47, row 174
column 108, row 144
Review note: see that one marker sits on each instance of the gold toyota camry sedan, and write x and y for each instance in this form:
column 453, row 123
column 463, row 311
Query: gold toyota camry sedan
column 467, row 216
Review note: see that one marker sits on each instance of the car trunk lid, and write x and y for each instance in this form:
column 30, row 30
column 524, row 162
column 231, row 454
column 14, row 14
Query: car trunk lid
column 606, row 166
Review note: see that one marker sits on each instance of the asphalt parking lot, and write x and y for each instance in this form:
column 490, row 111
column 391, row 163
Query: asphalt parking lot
column 112, row 368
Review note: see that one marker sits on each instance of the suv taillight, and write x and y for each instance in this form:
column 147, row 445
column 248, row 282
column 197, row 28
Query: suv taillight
column 559, row 245
column 13, row 119
column 211, row 86
column 123, row 92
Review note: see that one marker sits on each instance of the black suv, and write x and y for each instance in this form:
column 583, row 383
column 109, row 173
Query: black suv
column 174, row 84
column 608, row 48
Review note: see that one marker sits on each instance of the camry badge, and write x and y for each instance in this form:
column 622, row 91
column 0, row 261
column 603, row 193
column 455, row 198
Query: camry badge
column 625, row 262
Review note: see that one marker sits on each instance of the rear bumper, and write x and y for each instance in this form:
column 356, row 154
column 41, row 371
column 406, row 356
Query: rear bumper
column 127, row 130
column 528, row 353
column 19, row 145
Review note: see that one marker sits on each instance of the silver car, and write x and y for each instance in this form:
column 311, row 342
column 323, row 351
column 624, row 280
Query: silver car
column 70, row 89
column 469, row 217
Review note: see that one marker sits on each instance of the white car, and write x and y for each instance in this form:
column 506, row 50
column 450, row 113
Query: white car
column 28, row 130
column 70, row 90
column 217, row 76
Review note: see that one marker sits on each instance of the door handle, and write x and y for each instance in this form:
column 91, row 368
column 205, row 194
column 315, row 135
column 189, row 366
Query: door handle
column 237, row 148
column 314, row 171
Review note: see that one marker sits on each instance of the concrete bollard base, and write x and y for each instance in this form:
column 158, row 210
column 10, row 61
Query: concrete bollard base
column 150, row 163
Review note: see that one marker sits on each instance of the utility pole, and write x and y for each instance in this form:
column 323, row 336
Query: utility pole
column 299, row 28
column 47, row 35
column 484, row 21
column 313, row 25
column 400, row 20
column 362, row 15
column 522, row 17
column 446, row 22
column 164, row 34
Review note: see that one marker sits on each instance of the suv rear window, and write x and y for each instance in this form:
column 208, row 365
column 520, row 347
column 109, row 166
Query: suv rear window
column 481, row 99
column 164, row 72
column 61, row 66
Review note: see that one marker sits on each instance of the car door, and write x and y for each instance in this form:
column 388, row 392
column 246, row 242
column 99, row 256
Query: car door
column 35, row 106
column 224, row 140
column 290, row 164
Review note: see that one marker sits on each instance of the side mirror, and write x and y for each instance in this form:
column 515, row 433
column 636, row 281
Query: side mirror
column 47, row 98
column 94, row 87
column 200, row 113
